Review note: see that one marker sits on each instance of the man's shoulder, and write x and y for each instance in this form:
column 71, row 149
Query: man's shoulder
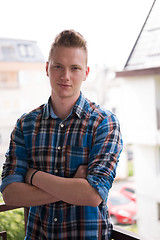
column 98, row 111
column 33, row 114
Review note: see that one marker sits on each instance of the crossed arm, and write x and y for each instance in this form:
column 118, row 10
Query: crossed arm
column 49, row 188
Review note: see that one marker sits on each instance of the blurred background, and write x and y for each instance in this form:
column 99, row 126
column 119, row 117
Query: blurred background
column 124, row 58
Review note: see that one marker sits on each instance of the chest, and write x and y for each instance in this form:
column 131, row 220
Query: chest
column 60, row 147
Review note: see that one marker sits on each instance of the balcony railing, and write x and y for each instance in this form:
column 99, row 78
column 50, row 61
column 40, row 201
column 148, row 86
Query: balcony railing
column 117, row 233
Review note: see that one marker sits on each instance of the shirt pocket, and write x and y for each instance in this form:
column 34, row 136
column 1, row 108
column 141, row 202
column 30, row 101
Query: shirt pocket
column 74, row 157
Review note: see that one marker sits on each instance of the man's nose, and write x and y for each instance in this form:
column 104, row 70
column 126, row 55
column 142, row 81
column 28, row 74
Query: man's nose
column 66, row 74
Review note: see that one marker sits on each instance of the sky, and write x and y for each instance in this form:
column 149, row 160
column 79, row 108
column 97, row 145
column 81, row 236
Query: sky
column 110, row 27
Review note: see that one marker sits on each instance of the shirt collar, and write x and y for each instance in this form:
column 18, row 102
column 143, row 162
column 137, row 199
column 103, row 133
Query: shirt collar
column 46, row 110
column 52, row 114
column 78, row 109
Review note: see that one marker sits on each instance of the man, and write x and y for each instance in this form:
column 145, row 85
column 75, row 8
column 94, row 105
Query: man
column 63, row 155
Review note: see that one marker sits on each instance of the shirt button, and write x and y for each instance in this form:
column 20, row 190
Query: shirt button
column 55, row 219
column 62, row 125
column 56, row 171
column 59, row 147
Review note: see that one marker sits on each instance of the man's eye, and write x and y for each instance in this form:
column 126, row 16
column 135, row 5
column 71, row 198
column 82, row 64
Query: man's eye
column 58, row 66
column 75, row 68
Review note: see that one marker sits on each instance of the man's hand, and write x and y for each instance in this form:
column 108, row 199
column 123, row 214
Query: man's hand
column 75, row 191
column 81, row 171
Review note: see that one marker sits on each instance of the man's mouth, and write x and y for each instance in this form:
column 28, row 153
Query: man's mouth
column 64, row 85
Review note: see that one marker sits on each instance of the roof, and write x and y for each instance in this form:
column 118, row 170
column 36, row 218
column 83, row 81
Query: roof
column 144, row 58
column 15, row 50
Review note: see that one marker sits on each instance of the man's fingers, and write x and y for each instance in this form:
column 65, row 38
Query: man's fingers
column 81, row 171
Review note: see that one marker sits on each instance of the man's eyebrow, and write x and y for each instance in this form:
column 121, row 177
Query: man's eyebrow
column 76, row 65
column 57, row 63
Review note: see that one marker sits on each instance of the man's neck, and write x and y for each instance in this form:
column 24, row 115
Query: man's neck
column 63, row 106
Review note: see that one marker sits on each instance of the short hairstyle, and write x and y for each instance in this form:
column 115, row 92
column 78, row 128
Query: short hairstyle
column 69, row 38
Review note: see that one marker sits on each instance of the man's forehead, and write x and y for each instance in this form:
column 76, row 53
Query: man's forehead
column 74, row 55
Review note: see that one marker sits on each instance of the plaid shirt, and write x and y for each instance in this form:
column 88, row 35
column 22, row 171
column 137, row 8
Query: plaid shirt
column 43, row 141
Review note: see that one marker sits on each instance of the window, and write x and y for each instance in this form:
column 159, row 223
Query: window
column 158, row 161
column 26, row 50
column 7, row 52
column 131, row 190
column 158, row 211
column 158, row 102
column 8, row 80
column 158, row 118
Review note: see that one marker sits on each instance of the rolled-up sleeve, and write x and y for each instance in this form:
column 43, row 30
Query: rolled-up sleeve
column 104, row 155
column 10, row 179
column 16, row 163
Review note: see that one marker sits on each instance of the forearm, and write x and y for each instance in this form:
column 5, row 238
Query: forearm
column 22, row 194
column 76, row 191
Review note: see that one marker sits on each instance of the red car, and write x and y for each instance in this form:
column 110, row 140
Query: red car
column 121, row 209
column 128, row 190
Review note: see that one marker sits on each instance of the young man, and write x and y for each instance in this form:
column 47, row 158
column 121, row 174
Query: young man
column 63, row 155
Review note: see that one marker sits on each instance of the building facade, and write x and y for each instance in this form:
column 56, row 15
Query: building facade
column 140, row 115
column 23, row 85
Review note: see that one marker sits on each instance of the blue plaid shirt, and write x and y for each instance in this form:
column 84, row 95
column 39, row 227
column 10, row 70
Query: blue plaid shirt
column 42, row 141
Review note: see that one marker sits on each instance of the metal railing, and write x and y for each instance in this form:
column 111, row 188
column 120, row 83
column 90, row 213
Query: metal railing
column 117, row 233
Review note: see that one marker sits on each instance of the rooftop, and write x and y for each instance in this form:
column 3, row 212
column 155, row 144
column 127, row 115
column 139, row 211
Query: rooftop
column 15, row 50
column 145, row 54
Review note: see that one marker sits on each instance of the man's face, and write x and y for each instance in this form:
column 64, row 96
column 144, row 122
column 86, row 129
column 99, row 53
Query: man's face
column 67, row 70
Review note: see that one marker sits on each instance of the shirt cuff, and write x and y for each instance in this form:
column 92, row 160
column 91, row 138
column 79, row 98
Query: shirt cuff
column 102, row 186
column 9, row 179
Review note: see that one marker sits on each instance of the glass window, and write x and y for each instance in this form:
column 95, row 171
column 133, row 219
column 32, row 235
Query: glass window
column 131, row 190
column 159, row 211
column 158, row 118
column 9, row 80
column 22, row 50
column 30, row 50
column 158, row 102
column 119, row 200
column 7, row 52
column 158, row 161
column 26, row 50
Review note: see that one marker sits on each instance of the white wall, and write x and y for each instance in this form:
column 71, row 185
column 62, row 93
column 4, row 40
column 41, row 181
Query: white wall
column 33, row 90
column 139, row 111
column 139, row 127
column 148, row 190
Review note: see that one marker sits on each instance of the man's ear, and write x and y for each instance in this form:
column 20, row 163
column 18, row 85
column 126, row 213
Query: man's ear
column 87, row 72
column 47, row 63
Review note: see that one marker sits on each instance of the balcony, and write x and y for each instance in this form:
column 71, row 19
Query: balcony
column 117, row 233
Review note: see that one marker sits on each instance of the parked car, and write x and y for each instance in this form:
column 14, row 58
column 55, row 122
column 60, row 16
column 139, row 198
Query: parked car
column 121, row 209
column 128, row 190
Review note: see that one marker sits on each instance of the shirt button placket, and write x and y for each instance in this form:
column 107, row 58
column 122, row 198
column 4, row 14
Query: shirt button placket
column 62, row 125
column 59, row 147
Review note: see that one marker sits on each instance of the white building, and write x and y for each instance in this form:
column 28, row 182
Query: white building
column 23, row 85
column 139, row 111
